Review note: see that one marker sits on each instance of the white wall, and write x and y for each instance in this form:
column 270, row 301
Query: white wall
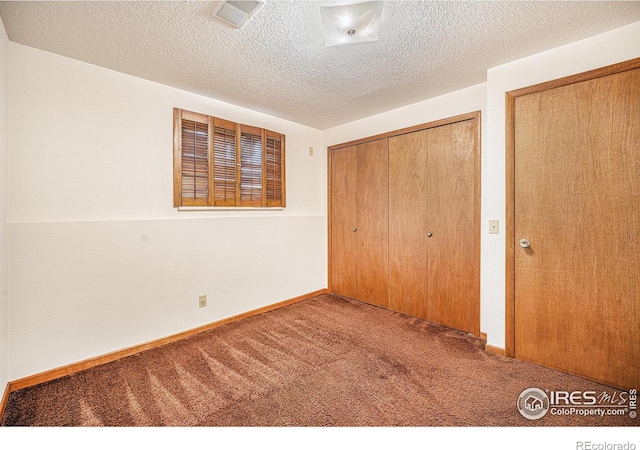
column 4, row 278
column 99, row 259
column 605, row 49
column 459, row 102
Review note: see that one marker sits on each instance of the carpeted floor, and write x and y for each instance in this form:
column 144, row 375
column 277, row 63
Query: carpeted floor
column 327, row 361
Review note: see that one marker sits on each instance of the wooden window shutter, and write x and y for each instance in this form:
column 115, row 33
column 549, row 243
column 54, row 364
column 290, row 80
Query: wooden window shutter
column 191, row 163
column 251, row 166
column 225, row 169
column 221, row 163
column 274, row 169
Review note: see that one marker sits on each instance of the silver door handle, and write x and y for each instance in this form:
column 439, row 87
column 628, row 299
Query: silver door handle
column 429, row 234
column 355, row 229
column 525, row 243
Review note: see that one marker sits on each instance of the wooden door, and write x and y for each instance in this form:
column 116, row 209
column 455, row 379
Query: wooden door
column 452, row 250
column 433, row 190
column 577, row 202
column 344, row 219
column 399, row 198
column 373, row 222
column 408, row 223
column 360, row 221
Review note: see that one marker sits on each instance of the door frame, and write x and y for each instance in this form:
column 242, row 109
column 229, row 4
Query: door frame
column 476, row 117
column 510, row 219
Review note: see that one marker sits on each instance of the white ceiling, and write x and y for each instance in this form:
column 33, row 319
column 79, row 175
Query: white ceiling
column 278, row 64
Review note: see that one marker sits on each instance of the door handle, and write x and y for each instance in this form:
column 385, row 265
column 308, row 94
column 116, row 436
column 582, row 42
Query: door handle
column 355, row 229
column 524, row 243
column 429, row 234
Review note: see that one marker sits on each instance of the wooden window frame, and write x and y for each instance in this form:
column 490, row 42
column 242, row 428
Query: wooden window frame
column 269, row 193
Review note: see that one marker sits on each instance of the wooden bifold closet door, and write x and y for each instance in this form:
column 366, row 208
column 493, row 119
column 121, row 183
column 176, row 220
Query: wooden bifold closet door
column 433, row 243
column 405, row 222
column 359, row 225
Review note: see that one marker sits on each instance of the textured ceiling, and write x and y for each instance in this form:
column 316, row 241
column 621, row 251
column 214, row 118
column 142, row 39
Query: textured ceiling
column 278, row 63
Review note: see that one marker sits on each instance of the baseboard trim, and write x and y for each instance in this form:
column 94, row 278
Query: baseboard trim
column 5, row 398
column 490, row 348
column 494, row 350
column 69, row 369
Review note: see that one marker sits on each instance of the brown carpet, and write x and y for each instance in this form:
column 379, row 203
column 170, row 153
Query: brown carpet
column 327, row 361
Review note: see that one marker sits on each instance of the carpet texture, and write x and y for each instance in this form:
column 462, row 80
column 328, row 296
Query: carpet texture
column 327, row 361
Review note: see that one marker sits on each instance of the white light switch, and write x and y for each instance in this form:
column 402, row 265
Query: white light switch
column 310, row 151
column 494, row 227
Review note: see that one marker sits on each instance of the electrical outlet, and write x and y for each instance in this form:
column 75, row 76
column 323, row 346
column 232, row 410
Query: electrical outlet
column 494, row 227
column 202, row 301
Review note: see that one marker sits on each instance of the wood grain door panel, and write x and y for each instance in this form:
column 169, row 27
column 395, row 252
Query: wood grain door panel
column 408, row 223
column 577, row 200
column 452, row 265
column 393, row 198
column 373, row 222
column 344, row 263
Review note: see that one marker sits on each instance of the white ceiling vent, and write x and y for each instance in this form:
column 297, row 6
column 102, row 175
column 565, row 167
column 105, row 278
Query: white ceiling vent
column 236, row 13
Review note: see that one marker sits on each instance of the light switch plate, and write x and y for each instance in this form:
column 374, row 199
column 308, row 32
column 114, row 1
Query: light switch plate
column 494, row 227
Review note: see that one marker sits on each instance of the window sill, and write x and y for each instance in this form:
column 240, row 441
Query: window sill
column 230, row 208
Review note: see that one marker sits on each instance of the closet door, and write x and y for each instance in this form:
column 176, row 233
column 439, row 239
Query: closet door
column 373, row 222
column 405, row 221
column 360, row 222
column 453, row 248
column 433, row 229
column 408, row 223
column 344, row 220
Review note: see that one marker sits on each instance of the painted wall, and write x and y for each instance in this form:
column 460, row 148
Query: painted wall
column 99, row 258
column 459, row 102
column 4, row 277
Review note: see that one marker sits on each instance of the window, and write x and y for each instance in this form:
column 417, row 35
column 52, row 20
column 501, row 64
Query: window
column 221, row 163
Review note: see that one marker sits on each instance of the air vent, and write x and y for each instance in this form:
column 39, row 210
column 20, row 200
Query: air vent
column 236, row 13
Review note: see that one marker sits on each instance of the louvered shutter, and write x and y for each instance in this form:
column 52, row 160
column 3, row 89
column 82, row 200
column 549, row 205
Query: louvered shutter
column 274, row 168
column 250, row 166
column 221, row 163
column 193, row 165
column 224, row 163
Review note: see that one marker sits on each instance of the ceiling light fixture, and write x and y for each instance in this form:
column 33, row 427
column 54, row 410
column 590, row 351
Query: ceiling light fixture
column 346, row 24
